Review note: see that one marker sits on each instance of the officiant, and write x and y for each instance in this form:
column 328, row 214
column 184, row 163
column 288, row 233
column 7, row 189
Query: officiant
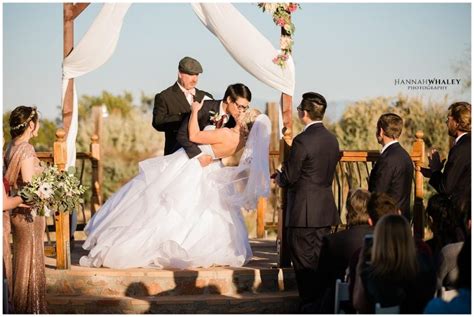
column 174, row 103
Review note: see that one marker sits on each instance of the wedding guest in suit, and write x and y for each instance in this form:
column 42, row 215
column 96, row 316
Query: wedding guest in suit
column 393, row 171
column 21, row 162
column 338, row 248
column 174, row 103
column 455, row 179
column 221, row 113
column 308, row 174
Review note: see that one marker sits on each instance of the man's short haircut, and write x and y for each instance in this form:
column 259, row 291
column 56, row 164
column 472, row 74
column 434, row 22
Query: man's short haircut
column 356, row 205
column 461, row 113
column 379, row 205
column 315, row 104
column 391, row 124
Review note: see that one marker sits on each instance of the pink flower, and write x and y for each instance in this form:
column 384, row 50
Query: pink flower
column 280, row 22
column 275, row 60
column 292, row 7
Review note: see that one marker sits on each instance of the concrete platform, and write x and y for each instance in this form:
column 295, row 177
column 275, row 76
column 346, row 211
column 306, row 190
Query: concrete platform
column 259, row 287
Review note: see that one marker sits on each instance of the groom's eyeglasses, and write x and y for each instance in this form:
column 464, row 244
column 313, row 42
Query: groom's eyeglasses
column 300, row 108
column 241, row 107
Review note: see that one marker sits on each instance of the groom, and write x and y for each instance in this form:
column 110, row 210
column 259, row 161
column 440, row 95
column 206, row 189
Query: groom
column 225, row 110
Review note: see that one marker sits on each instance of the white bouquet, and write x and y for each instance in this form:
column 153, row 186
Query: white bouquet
column 53, row 190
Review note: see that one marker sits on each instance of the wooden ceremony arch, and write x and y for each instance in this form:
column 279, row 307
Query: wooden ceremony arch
column 70, row 12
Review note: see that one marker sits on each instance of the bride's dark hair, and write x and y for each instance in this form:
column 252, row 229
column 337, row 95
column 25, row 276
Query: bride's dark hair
column 238, row 90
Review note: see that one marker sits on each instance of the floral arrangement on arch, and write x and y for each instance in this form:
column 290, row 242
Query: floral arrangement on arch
column 281, row 13
column 53, row 191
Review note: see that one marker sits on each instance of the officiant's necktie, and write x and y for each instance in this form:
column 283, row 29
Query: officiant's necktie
column 222, row 121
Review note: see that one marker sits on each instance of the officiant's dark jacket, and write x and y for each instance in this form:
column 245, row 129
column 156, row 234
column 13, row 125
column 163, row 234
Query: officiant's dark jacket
column 204, row 116
column 308, row 174
column 455, row 180
column 393, row 174
column 169, row 110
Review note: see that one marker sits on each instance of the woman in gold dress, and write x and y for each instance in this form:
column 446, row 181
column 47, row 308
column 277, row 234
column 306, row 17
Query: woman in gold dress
column 21, row 163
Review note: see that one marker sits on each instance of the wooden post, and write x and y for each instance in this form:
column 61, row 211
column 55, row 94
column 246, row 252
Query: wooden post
column 96, row 175
column 418, row 155
column 285, row 144
column 61, row 219
column 286, row 109
column 261, row 209
column 70, row 12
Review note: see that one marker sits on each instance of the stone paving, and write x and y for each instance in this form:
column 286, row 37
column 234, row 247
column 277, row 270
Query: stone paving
column 259, row 287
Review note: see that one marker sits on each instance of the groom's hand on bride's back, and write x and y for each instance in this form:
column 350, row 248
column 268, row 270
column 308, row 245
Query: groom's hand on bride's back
column 205, row 160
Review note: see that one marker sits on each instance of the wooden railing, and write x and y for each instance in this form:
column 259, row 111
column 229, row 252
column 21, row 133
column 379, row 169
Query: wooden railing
column 352, row 171
column 61, row 248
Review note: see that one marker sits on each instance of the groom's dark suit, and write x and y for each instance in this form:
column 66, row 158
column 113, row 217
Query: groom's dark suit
column 169, row 111
column 393, row 174
column 308, row 174
column 203, row 120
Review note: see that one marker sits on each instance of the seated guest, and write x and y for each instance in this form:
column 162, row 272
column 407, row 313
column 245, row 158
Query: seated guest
column 392, row 275
column 461, row 304
column 444, row 222
column 379, row 205
column 337, row 248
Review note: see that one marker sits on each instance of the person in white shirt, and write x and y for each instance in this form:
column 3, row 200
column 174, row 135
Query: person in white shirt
column 174, row 103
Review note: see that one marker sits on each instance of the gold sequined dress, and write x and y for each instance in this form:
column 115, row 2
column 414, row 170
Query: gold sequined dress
column 29, row 279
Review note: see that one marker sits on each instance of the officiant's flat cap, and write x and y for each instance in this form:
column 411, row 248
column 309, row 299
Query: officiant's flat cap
column 189, row 66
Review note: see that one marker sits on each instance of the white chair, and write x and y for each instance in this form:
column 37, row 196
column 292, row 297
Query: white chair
column 387, row 310
column 342, row 295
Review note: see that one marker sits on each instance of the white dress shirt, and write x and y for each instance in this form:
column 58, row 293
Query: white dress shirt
column 189, row 94
column 387, row 145
column 311, row 123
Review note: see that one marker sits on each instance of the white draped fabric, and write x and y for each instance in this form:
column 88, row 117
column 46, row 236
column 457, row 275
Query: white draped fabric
column 94, row 49
column 246, row 45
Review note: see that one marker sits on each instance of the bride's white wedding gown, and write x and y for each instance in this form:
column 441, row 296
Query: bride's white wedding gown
column 173, row 214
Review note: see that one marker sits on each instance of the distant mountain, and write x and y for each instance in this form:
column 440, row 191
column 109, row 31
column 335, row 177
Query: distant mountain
column 334, row 110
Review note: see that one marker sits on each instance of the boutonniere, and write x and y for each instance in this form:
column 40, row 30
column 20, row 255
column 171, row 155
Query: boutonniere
column 214, row 117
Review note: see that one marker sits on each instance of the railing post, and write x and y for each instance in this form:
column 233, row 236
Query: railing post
column 418, row 155
column 61, row 219
column 261, row 209
column 96, row 201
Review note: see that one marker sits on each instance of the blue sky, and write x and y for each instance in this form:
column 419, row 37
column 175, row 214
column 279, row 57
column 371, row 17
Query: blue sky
column 347, row 52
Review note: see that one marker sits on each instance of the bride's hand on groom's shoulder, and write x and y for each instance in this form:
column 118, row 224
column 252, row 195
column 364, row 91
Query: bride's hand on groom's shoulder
column 196, row 106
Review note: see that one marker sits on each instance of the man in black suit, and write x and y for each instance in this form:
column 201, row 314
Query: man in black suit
column 338, row 248
column 308, row 174
column 236, row 100
column 174, row 103
column 455, row 179
column 393, row 171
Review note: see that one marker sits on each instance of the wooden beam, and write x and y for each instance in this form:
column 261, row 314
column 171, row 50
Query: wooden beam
column 78, row 8
column 61, row 219
column 285, row 144
column 418, row 149
column 70, row 12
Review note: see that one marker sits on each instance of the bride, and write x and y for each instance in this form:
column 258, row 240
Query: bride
column 176, row 214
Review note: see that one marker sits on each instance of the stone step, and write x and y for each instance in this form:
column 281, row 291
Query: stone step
column 276, row 302
column 145, row 282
